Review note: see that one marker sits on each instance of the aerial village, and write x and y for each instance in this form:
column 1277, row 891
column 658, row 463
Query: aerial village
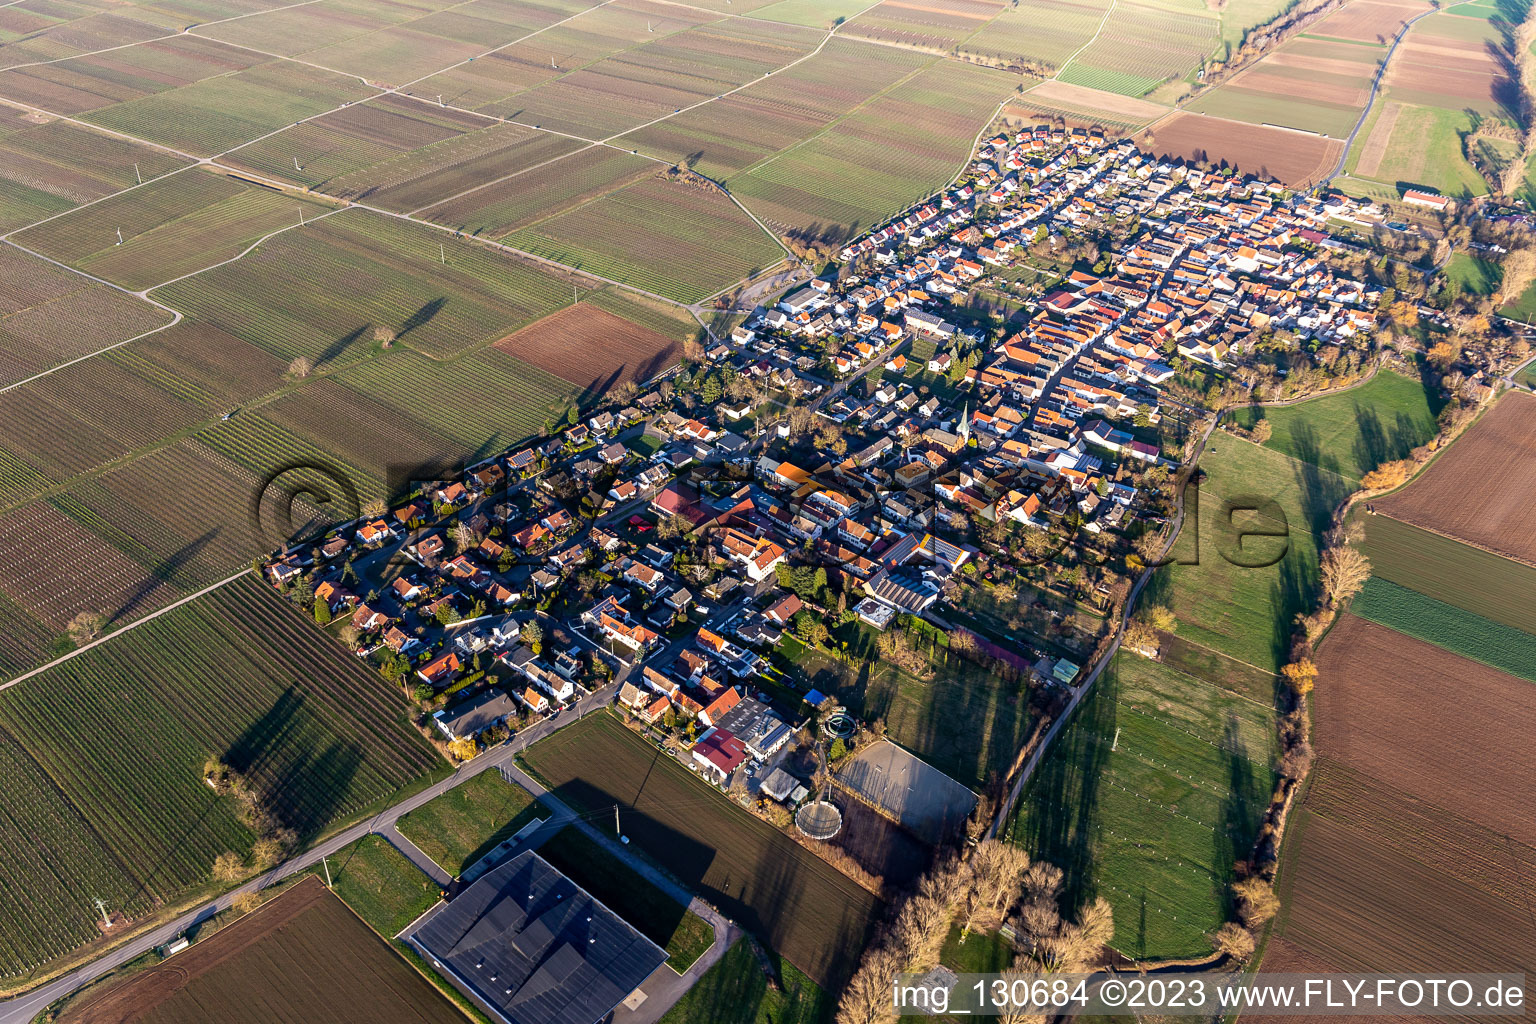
column 865, row 464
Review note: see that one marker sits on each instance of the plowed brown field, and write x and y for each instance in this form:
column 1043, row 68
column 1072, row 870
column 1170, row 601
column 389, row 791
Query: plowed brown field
column 1435, row 726
column 1413, row 850
column 1483, row 489
column 304, row 956
column 584, row 344
column 1292, row 157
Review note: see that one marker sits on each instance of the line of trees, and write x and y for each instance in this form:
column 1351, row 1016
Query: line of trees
column 978, row 893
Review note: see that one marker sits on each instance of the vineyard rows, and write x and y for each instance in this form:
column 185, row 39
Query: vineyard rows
column 110, row 798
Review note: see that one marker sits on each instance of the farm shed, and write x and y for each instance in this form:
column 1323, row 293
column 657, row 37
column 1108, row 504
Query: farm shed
column 536, row 948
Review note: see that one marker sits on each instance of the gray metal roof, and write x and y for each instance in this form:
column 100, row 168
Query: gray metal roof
column 537, row 947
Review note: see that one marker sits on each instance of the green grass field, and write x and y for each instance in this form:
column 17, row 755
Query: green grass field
column 1240, row 598
column 456, row 828
column 736, row 991
column 1355, row 431
column 377, row 881
column 1472, row 579
column 1445, row 625
column 1148, row 798
column 104, row 756
column 802, row 907
column 683, row 934
column 1468, row 275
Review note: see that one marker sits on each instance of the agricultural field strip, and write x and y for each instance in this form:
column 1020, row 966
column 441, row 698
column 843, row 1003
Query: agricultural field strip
column 247, row 251
column 158, row 39
column 213, row 160
column 135, row 624
column 1097, row 32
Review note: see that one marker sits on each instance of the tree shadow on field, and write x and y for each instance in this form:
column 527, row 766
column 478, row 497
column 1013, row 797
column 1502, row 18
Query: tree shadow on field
column 1057, row 819
column 1233, row 838
column 422, row 316
column 340, row 345
column 167, row 571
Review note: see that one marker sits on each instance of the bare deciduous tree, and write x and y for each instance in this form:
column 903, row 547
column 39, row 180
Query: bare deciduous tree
column 1233, row 940
column 1344, row 571
column 86, row 626
column 300, row 367
column 1256, row 901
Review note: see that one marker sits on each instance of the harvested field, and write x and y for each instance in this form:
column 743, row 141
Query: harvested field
column 1482, row 490
column 1375, row 147
column 507, row 203
column 798, row 904
column 400, row 157
column 1291, row 157
column 1413, row 848
column 117, row 738
column 59, row 426
column 49, row 316
column 1382, row 709
column 1142, row 47
column 1470, row 578
column 502, row 401
column 933, row 25
column 323, row 291
column 195, row 538
column 587, row 346
column 1047, row 31
column 123, row 76
column 1503, row 647
column 209, row 117
column 899, row 148
column 729, row 135
column 1093, row 102
column 303, row 954
column 171, row 227
column 47, row 169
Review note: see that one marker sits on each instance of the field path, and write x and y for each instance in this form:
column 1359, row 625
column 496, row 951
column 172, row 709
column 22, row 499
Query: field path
column 1096, row 33
column 1005, row 807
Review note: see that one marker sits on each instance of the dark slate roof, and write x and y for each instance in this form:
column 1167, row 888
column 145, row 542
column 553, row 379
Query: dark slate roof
column 557, row 955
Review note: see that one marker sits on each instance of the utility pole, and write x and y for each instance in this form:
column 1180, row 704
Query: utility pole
column 439, row 99
column 296, row 164
column 327, row 862
column 442, row 252
column 101, row 905
column 137, row 175
column 119, row 236
column 1116, row 742
column 301, row 216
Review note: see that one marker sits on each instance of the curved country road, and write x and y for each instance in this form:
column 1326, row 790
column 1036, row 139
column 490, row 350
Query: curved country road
column 1370, row 101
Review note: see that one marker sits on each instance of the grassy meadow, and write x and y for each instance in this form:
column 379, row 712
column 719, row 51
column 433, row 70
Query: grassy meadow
column 1148, row 797
column 1355, row 431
